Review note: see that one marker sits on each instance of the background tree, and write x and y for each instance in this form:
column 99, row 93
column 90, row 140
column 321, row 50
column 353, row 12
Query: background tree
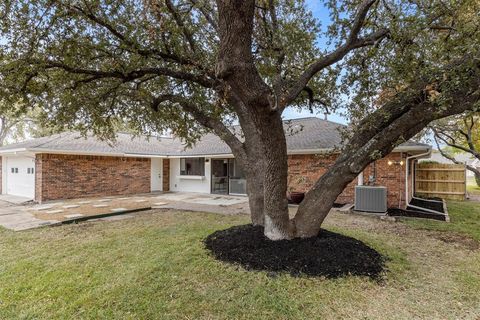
column 462, row 134
column 19, row 123
column 194, row 66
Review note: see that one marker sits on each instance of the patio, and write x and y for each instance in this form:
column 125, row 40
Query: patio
column 16, row 214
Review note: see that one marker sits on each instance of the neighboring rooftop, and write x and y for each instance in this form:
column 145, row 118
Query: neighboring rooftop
column 463, row 157
column 303, row 135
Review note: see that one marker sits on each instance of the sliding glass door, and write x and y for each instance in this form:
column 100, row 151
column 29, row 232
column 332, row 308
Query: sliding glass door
column 237, row 180
column 220, row 176
column 228, row 177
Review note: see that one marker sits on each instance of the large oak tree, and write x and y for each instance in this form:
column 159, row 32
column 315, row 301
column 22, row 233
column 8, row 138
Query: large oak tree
column 196, row 65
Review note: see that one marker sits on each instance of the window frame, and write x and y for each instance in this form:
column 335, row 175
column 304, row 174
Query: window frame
column 186, row 173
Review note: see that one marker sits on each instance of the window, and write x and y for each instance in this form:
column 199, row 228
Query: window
column 30, row 170
column 192, row 166
column 14, row 170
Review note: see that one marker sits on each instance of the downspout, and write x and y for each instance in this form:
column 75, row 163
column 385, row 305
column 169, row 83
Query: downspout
column 428, row 153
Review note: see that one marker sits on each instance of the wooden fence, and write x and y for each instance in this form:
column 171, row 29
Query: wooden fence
column 440, row 180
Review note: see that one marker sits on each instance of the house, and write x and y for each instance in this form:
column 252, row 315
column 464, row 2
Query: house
column 69, row 166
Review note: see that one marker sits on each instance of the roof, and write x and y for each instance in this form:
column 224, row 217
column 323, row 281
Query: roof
column 306, row 135
column 74, row 142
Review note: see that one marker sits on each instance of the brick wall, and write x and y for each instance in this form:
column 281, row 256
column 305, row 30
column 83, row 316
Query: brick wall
column 76, row 176
column 390, row 176
column 304, row 170
column 166, row 175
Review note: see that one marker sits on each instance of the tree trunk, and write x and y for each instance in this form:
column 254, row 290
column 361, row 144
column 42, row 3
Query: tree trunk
column 277, row 221
column 477, row 178
column 320, row 199
column 255, row 194
column 476, row 173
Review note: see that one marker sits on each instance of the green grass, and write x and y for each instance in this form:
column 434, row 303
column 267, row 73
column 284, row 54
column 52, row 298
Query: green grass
column 472, row 187
column 464, row 219
column 155, row 267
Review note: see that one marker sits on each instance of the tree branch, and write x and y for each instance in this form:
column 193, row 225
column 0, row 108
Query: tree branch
column 176, row 16
column 137, row 48
column 205, row 120
column 206, row 14
column 352, row 43
column 130, row 75
column 445, row 155
column 453, row 144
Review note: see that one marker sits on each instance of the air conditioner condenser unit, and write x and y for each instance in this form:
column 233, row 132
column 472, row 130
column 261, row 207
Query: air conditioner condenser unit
column 371, row 199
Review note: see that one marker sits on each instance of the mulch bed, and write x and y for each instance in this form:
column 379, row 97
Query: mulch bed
column 395, row 212
column 437, row 206
column 335, row 205
column 330, row 254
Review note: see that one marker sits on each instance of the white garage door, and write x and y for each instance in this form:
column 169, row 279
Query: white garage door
column 20, row 173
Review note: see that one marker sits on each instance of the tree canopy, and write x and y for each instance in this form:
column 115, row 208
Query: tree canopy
column 197, row 65
column 459, row 134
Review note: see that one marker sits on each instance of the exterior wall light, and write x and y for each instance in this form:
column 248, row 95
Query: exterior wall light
column 397, row 163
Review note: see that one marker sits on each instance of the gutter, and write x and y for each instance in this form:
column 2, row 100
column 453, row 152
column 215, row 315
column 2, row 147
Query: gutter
column 417, row 156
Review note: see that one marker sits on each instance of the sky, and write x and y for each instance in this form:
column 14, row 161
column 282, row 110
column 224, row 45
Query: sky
column 321, row 13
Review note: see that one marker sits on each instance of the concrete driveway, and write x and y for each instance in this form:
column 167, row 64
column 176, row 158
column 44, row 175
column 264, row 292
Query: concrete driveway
column 14, row 216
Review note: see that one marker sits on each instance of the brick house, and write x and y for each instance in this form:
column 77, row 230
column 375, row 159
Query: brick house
column 69, row 166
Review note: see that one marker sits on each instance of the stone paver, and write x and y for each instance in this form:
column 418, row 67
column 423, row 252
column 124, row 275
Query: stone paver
column 21, row 217
column 100, row 205
column 54, row 211
column 70, row 206
column 74, row 215
column 45, row 207
column 15, row 218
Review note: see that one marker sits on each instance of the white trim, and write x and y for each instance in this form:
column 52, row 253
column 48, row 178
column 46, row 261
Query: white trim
column 206, row 156
column 417, row 156
column 21, row 151
column 360, row 179
column 411, row 148
column 190, row 177
column 4, row 175
column 219, row 155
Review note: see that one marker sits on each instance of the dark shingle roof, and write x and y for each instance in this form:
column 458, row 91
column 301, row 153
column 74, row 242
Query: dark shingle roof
column 75, row 142
column 302, row 135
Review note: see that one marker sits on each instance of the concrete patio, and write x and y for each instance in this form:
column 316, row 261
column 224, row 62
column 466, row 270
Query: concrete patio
column 17, row 214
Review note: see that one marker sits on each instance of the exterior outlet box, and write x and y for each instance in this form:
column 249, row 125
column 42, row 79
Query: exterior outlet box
column 371, row 199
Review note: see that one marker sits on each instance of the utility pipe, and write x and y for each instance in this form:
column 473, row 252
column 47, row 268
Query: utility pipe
column 406, row 171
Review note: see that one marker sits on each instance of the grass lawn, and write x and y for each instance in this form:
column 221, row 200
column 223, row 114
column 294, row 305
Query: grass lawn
column 465, row 219
column 154, row 266
column 472, row 187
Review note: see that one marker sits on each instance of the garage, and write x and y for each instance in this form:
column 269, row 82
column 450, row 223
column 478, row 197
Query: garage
column 20, row 176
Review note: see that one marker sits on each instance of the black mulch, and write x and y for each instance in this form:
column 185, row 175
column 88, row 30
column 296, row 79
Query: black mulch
column 338, row 205
column 330, row 254
column 415, row 214
column 335, row 205
column 432, row 205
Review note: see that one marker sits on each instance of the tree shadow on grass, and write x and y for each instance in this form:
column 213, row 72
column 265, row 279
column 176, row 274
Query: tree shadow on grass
column 330, row 254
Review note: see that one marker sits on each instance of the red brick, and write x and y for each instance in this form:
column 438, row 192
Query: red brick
column 305, row 170
column 76, row 176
